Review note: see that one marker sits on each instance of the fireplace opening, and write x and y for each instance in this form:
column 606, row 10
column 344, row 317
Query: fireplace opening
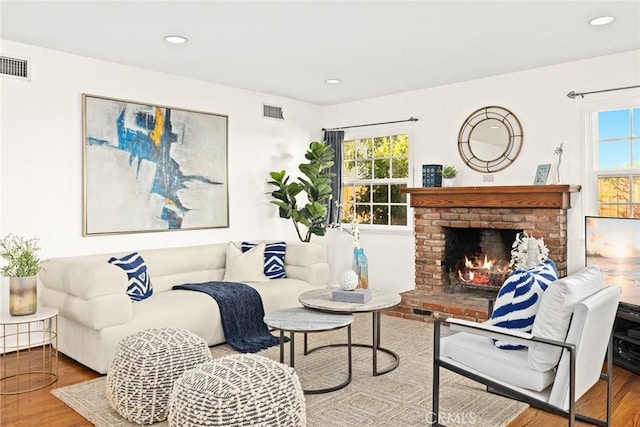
column 477, row 260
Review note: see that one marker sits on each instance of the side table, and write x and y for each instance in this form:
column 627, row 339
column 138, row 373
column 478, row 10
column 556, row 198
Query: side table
column 320, row 299
column 28, row 351
column 300, row 319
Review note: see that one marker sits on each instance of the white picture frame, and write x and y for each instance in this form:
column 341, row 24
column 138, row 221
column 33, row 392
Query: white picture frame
column 542, row 173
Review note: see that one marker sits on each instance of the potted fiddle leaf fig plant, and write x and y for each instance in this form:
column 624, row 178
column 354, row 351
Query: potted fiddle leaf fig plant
column 315, row 185
column 22, row 268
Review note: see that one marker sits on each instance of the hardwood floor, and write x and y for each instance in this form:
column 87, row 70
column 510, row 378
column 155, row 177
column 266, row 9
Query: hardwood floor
column 625, row 404
column 40, row 408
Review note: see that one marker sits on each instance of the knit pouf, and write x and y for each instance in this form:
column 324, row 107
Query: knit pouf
column 144, row 368
column 238, row 390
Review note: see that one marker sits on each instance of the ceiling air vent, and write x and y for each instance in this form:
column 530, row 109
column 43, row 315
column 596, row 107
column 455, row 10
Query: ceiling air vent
column 14, row 67
column 272, row 112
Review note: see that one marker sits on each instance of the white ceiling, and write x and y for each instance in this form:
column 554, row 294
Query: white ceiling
column 289, row 48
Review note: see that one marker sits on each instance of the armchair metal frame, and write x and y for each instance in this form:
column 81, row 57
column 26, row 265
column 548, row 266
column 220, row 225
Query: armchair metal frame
column 500, row 388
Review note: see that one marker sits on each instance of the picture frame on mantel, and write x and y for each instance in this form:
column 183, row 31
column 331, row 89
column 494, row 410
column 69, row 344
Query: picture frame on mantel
column 152, row 168
column 542, row 173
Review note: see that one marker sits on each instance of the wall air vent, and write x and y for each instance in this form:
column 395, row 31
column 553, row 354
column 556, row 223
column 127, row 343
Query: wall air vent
column 18, row 68
column 272, row 112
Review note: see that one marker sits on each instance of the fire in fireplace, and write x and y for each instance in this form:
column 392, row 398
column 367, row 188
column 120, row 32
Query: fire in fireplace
column 477, row 258
column 483, row 272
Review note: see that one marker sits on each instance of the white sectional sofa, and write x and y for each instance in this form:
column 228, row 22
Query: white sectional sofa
column 96, row 313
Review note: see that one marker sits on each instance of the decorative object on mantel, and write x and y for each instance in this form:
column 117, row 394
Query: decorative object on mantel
column 22, row 270
column 542, row 173
column 449, row 174
column 558, row 152
column 431, row 175
column 528, row 251
column 317, row 187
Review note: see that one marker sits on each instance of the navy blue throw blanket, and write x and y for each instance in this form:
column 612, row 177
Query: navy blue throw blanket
column 241, row 312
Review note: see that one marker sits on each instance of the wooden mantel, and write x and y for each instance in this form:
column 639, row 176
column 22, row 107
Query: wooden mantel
column 510, row 196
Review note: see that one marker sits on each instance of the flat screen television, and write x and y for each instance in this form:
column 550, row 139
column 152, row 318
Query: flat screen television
column 614, row 245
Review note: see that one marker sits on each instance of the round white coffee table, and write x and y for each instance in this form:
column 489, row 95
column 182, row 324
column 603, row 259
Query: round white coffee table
column 300, row 319
column 321, row 300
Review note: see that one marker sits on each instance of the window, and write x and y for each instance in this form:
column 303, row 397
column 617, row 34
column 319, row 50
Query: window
column 373, row 172
column 617, row 162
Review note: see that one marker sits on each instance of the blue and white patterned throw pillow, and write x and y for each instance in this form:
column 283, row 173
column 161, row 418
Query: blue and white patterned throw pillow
column 139, row 287
column 518, row 299
column 273, row 258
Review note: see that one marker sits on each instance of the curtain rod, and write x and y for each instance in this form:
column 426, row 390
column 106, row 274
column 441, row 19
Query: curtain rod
column 410, row 119
column 573, row 95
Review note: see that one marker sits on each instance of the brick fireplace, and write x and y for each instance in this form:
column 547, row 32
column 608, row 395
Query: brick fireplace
column 538, row 210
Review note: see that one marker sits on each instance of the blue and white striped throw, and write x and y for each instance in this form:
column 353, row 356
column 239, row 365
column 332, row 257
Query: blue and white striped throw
column 518, row 299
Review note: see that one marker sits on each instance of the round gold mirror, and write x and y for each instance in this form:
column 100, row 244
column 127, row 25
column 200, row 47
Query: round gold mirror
column 490, row 139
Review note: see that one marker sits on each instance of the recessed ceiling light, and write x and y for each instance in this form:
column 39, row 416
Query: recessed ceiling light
column 333, row 81
column 602, row 20
column 175, row 39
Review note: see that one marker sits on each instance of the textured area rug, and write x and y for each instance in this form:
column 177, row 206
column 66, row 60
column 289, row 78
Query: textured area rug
column 399, row 398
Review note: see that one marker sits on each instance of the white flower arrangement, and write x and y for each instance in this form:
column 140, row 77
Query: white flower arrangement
column 21, row 256
column 528, row 251
column 353, row 231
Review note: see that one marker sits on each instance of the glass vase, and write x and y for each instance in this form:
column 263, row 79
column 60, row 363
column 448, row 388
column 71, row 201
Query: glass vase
column 359, row 265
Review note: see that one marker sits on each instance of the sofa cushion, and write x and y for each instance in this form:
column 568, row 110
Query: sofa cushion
column 273, row 258
column 245, row 266
column 518, row 299
column 139, row 283
column 554, row 314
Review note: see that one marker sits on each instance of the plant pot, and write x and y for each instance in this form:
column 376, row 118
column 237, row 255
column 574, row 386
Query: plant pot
column 448, row 182
column 23, row 295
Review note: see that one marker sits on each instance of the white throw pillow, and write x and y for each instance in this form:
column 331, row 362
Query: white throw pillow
column 554, row 314
column 245, row 267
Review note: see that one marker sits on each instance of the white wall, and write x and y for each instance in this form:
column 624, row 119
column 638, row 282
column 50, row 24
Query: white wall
column 548, row 117
column 41, row 150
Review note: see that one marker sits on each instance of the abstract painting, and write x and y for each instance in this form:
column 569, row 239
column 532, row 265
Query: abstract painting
column 150, row 168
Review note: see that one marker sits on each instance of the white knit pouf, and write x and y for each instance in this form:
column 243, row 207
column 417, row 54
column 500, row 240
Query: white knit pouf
column 144, row 368
column 238, row 390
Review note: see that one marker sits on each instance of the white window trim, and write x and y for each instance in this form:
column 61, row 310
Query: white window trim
column 384, row 130
column 588, row 111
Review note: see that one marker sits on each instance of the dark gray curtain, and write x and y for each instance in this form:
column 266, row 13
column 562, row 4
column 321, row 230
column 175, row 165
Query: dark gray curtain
column 334, row 139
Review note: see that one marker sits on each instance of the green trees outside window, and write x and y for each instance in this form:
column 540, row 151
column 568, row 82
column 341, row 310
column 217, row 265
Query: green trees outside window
column 374, row 171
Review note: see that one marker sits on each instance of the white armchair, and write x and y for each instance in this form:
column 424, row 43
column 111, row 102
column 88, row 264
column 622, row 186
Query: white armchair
column 532, row 375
